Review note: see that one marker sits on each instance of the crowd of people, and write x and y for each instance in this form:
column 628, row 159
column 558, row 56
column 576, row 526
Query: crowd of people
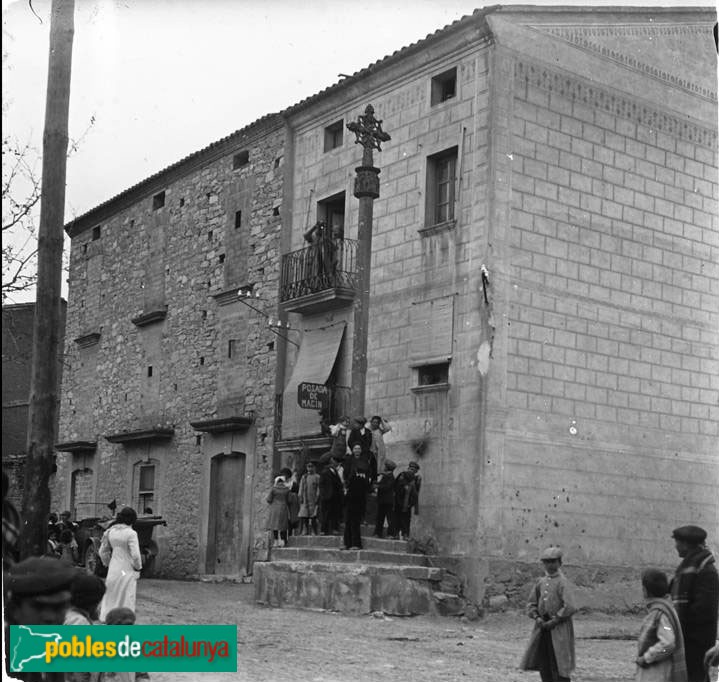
column 352, row 483
column 677, row 638
column 52, row 590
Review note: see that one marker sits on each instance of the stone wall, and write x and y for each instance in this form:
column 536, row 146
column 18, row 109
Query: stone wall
column 612, row 323
column 187, row 256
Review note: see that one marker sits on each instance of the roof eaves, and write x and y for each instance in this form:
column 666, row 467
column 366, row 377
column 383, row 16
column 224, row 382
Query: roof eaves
column 162, row 178
column 479, row 15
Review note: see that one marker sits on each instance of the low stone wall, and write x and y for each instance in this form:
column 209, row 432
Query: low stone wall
column 348, row 588
column 609, row 589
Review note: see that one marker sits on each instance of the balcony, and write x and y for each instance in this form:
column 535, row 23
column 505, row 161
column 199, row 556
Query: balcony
column 319, row 277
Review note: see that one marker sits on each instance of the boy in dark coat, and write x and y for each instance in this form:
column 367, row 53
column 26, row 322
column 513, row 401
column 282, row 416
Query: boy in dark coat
column 385, row 500
column 406, row 498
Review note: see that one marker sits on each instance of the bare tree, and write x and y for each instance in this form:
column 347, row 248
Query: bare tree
column 20, row 200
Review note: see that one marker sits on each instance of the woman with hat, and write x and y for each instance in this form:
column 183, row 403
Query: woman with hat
column 120, row 552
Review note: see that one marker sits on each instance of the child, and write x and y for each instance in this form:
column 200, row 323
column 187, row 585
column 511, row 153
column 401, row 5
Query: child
column 279, row 511
column 339, row 433
column 53, row 543
column 660, row 647
column 309, row 497
column 551, row 644
column 86, row 592
column 406, row 498
column 385, row 500
column 121, row 616
column 68, row 547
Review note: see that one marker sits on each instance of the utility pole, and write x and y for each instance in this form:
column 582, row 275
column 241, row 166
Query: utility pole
column 369, row 133
column 44, row 389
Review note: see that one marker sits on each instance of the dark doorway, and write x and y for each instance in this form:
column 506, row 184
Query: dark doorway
column 227, row 493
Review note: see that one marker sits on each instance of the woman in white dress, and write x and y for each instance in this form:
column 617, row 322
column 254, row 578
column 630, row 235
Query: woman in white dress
column 120, row 552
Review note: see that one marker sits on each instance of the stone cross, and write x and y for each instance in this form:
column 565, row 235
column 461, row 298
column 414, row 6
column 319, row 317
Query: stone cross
column 369, row 133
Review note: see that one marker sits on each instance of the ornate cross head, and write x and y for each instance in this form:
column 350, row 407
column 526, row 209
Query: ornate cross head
column 368, row 130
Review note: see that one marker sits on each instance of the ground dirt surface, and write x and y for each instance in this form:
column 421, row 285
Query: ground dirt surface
column 278, row 645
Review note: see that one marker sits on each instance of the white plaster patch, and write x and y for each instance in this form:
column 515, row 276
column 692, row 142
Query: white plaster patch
column 483, row 357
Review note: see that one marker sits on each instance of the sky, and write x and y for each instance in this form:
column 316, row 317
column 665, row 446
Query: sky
column 156, row 80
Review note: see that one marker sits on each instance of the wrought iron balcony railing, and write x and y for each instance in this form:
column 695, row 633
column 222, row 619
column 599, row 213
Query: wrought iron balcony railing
column 326, row 264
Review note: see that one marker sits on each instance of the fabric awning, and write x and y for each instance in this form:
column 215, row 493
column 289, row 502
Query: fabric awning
column 314, row 364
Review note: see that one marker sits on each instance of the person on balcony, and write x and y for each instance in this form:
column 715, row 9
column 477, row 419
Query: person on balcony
column 317, row 262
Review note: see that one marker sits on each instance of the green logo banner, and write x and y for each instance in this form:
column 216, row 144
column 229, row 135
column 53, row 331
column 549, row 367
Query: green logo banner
column 123, row 648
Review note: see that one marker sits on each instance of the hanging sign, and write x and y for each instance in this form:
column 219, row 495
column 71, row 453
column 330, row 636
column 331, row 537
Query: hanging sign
column 313, row 396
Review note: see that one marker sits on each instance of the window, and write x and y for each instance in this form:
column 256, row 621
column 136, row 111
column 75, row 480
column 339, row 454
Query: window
column 238, row 219
column 96, row 232
column 145, row 488
column 441, row 181
column 433, row 375
column 332, row 212
column 444, row 86
column 158, row 201
column 333, row 135
column 241, row 159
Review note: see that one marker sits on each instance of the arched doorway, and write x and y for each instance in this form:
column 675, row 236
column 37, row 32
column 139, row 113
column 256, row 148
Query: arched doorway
column 224, row 533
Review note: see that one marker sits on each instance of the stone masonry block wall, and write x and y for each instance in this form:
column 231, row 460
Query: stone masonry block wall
column 613, row 376
column 409, row 265
column 175, row 256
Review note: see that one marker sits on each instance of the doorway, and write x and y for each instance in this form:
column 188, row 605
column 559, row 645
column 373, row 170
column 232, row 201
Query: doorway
column 224, row 533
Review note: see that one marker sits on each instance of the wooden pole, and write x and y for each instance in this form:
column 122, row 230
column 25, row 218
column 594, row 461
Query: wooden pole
column 44, row 389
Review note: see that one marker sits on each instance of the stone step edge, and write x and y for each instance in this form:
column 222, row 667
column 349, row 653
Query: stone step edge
column 358, row 554
column 431, row 573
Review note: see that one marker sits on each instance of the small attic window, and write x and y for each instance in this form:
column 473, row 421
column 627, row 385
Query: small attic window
column 158, row 201
column 333, row 135
column 96, row 233
column 241, row 159
column 444, row 86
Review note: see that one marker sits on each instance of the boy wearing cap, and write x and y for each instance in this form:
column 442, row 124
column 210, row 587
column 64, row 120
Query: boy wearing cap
column 385, row 500
column 406, row 498
column 551, row 606
column 695, row 593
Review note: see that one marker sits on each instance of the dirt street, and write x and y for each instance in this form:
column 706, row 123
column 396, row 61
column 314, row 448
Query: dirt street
column 282, row 644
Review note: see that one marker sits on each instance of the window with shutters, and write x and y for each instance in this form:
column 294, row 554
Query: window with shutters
column 431, row 342
column 441, row 187
column 145, row 490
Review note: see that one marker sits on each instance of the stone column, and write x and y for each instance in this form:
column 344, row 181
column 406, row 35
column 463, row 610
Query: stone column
column 369, row 133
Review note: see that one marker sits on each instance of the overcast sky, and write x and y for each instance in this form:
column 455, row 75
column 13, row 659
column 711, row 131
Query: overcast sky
column 161, row 79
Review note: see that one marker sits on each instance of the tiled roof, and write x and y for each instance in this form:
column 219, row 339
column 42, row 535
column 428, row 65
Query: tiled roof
column 159, row 180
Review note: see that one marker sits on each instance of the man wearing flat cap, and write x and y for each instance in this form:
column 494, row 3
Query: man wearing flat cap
column 695, row 593
column 38, row 593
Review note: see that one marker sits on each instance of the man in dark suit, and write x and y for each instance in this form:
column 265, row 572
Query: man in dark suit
column 695, row 593
column 331, row 497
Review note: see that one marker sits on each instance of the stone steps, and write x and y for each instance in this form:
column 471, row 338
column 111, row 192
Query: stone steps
column 335, row 541
column 312, row 572
column 336, row 555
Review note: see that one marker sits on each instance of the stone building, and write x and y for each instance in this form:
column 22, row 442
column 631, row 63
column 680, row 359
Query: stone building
column 17, row 331
column 168, row 397
column 543, row 301
column 543, row 309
